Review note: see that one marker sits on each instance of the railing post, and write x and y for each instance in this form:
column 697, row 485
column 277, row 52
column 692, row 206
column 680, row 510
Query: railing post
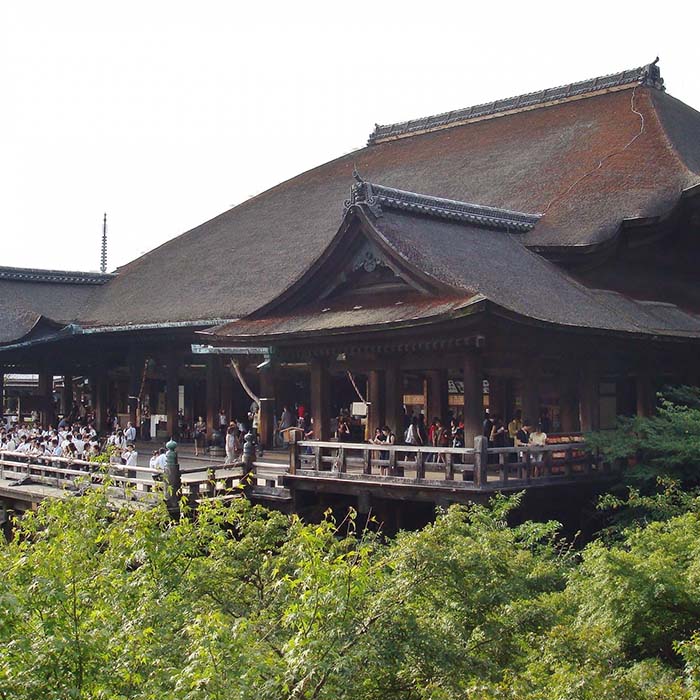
column 392, row 462
column 342, row 460
column 481, row 458
column 366, row 461
column 503, row 468
column 420, row 465
column 547, row 465
column 172, row 480
column 318, row 460
column 567, row 462
column 294, row 457
column 528, row 465
column 449, row 467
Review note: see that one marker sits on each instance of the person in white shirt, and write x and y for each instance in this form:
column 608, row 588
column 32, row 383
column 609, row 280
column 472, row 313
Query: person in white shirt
column 130, row 456
column 130, row 433
column 162, row 460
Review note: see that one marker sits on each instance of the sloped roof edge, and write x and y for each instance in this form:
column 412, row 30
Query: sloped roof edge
column 649, row 75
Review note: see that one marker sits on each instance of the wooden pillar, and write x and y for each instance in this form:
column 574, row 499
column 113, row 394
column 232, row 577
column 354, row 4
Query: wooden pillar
column 320, row 400
column 589, row 402
column 171, row 393
column 2, row 392
column 226, row 389
column 101, row 399
column 213, row 394
column 436, row 404
column 643, row 387
column 267, row 408
column 568, row 402
column 473, row 397
column 67, row 394
column 136, row 363
column 46, row 394
column 531, row 392
column 393, row 399
column 375, row 411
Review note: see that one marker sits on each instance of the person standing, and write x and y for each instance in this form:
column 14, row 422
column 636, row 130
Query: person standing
column 200, row 434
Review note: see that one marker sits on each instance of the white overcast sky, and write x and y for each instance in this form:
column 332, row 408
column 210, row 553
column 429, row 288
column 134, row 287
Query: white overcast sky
column 164, row 114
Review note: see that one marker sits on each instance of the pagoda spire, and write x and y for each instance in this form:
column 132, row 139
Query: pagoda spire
column 103, row 256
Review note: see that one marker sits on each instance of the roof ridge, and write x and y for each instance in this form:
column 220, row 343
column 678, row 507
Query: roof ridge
column 29, row 274
column 376, row 196
column 649, row 75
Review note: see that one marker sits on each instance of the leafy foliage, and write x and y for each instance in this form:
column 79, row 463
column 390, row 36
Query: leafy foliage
column 105, row 602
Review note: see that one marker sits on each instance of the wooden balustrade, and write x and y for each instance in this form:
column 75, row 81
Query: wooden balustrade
column 481, row 467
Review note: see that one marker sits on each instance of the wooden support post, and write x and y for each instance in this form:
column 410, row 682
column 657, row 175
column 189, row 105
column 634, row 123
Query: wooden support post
column 473, row 397
column 212, row 393
column 449, row 466
column 645, row 399
column 436, row 403
column 100, row 399
column 171, row 393
column 503, row 468
column 481, row 458
column 46, row 393
column 547, row 473
column 375, row 410
column 267, row 409
column 2, row 391
column 568, row 402
column 366, row 461
column 589, row 402
column 531, row 393
column 393, row 394
column 320, row 400
column 67, row 394
column 318, row 457
column 136, row 362
column 420, row 465
column 294, row 457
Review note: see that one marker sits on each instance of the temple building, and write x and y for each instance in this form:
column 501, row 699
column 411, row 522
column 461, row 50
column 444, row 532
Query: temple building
column 537, row 253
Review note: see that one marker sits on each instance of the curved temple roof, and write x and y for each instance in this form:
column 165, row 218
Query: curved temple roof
column 565, row 168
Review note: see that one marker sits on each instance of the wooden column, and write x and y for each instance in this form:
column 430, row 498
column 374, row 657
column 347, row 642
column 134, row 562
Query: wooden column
column 226, row 388
column 2, row 392
column 473, row 397
column 267, row 408
column 568, row 402
column 213, row 393
column 531, row 392
column 67, row 394
column 100, row 399
column 320, row 400
column 46, row 393
column 643, row 384
column 375, row 411
column 136, row 362
column 171, row 393
column 393, row 399
column 589, row 402
column 436, row 400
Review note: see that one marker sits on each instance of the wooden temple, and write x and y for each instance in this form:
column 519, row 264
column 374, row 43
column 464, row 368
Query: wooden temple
column 537, row 253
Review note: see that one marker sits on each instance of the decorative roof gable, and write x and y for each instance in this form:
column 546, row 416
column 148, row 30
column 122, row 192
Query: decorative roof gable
column 374, row 197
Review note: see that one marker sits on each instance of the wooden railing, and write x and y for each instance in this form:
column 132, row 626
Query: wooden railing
column 479, row 466
column 133, row 482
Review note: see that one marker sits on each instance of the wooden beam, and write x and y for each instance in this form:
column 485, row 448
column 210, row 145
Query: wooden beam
column 393, row 398
column 212, row 393
column 320, row 400
column 171, row 392
column 589, row 401
column 473, row 397
column 376, row 417
column 436, row 400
